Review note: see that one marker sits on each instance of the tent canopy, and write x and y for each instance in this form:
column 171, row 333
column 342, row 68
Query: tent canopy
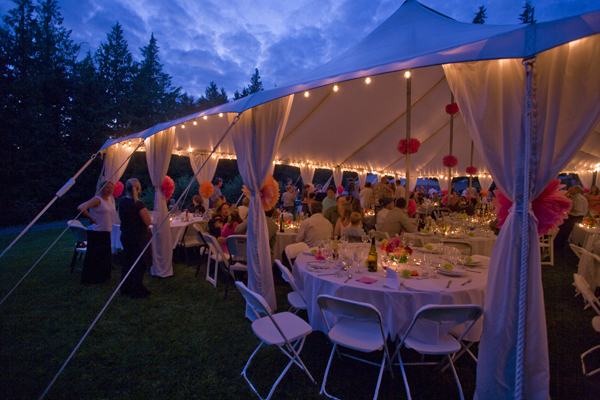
column 358, row 126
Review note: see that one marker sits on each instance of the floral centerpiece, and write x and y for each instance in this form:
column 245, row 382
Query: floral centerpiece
column 286, row 223
column 462, row 216
column 395, row 250
column 589, row 221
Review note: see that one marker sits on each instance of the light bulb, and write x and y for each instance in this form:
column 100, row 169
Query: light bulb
column 205, row 117
column 368, row 80
column 407, row 74
column 220, row 114
column 335, row 88
column 195, row 122
column 305, row 94
column 183, row 126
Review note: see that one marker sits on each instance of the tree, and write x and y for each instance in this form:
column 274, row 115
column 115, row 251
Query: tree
column 480, row 16
column 527, row 16
column 254, row 86
column 212, row 97
column 154, row 97
column 116, row 69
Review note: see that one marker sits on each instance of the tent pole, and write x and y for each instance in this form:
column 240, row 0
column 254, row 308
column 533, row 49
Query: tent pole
column 408, row 124
column 134, row 264
column 471, row 175
column 451, row 140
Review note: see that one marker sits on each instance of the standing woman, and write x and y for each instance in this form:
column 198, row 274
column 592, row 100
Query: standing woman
column 98, row 257
column 135, row 234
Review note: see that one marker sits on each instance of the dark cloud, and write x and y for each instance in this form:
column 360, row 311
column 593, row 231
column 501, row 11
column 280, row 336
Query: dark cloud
column 209, row 40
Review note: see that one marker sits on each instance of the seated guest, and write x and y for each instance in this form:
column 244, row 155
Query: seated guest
column 219, row 218
column 229, row 228
column 578, row 211
column 388, row 204
column 333, row 213
column 211, row 211
column 271, row 226
column 471, row 207
column 306, row 207
column 357, row 208
column 196, row 205
column 397, row 221
column 329, row 201
column 243, row 209
column 314, row 228
column 354, row 232
column 343, row 221
column 372, row 203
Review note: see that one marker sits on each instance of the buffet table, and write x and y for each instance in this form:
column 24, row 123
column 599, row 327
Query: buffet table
column 396, row 305
column 177, row 231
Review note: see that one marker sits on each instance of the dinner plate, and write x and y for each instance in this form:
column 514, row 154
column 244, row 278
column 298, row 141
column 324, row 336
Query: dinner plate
column 454, row 272
column 423, row 234
column 473, row 264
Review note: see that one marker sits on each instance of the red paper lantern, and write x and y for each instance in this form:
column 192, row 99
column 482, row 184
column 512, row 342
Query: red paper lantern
column 167, row 187
column 118, row 190
column 450, row 161
column 452, row 108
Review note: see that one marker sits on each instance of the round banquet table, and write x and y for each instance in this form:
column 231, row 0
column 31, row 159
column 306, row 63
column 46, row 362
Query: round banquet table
column 580, row 236
column 283, row 239
column 396, row 305
column 482, row 243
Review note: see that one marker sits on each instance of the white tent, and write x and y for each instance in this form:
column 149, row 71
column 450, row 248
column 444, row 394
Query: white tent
column 527, row 127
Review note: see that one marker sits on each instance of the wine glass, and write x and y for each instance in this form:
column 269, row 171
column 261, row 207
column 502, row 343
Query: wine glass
column 385, row 262
column 327, row 253
column 365, row 239
column 357, row 257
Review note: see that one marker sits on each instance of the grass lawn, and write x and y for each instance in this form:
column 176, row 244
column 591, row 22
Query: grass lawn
column 187, row 342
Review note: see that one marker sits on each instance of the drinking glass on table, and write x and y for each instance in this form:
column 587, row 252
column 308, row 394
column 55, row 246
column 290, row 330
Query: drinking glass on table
column 357, row 257
column 327, row 253
column 365, row 239
column 385, row 262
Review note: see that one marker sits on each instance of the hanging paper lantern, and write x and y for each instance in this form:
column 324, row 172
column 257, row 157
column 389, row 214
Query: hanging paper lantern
column 452, row 108
column 206, row 190
column 269, row 194
column 410, row 147
column 118, row 190
column 471, row 170
column 412, row 207
column 550, row 207
column 444, row 192
column 484, row 192
column 586, row 190
column 450, row 161
column 340, row 189
column 168, row 187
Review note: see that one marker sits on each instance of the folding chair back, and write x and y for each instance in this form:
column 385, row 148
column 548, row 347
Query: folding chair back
column 292, row 250
column 287, row 276
column 361, row 312
column 237, row 246
column 584, row 288
column 215, row 252
column 460, row 245
column 257, row 303
column 577, row 250
column 380, row 235
column 79, row 231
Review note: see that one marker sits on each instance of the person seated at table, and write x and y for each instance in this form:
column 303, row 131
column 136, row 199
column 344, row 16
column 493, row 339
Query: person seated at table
column 329, row 201
column 196, row 205
column 372, row 204
column 435, row 197
column 304, row 200
column 306, row 207
column 397, row 220
column 344, row 219
column 271, row 226
column 471, row 207
column 354, row 232
column 578, row 211
column 593, row 198
column 388, row 204
column 171, row 205
column 334, row 213
column 315, row 228
column 229, row 228
column 243, row 209
column 220, row 217
column 211, row 211
column 357, row 208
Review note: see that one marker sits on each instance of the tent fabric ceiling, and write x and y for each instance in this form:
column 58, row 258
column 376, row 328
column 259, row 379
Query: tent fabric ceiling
column 359, row 125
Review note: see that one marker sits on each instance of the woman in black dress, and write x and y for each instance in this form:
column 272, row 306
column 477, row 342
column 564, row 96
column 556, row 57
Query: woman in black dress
column 135, row 234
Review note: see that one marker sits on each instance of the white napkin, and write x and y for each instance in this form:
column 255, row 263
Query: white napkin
column 391, row 280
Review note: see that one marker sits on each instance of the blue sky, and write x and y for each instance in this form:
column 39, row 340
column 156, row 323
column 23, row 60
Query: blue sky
column 223, row 41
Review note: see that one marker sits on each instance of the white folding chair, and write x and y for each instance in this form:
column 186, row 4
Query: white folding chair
column 547, row 247
column 380, row 235
column 284, row 330
column 586, row 267
column 221, row 259
column 80, row 234
column 437, row 315
column 459, row 244
column 292, row 250
column 577, row 250
column 296, row 296
column 189, row 239
column 586, row 292
column 360, row 327
column 200, row 232
column 237, row 245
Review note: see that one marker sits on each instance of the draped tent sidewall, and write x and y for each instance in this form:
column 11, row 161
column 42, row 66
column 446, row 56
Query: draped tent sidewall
column 158, row 156
column 116, row 156
column 491, row 95
column 256, row 137
column 208, row 172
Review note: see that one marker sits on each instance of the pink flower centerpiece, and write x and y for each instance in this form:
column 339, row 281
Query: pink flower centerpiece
column 395, row 250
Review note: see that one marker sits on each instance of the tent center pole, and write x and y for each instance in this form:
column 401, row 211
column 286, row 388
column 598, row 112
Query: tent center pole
column 451, row 143
column 408, row 124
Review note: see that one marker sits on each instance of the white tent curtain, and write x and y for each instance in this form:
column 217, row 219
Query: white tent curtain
column 492, row 98
column 586, row 178
column 485, row 181
column 207, row 173
column 115, row 156
column 158, row 156
column 337, row 176
column 256, row 137
column 413, row 183
column 307, row 172
column 362, row 179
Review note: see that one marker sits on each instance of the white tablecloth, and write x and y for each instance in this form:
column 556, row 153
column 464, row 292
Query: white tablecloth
column 397, row 307
column 580, row 236
column 482, row 245
column 283, row 239
column 177, row 231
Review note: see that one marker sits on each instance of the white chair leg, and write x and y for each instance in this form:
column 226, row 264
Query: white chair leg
column 456, row 377
column 583, row 362
column 323, row 391
column 404, row 376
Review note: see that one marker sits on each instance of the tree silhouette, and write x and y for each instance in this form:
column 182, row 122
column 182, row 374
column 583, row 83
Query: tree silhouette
column 480, row 16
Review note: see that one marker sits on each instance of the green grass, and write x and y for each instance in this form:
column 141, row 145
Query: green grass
column 186, row 342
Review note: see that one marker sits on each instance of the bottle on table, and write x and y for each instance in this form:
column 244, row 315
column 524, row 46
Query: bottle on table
column 372, row 257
